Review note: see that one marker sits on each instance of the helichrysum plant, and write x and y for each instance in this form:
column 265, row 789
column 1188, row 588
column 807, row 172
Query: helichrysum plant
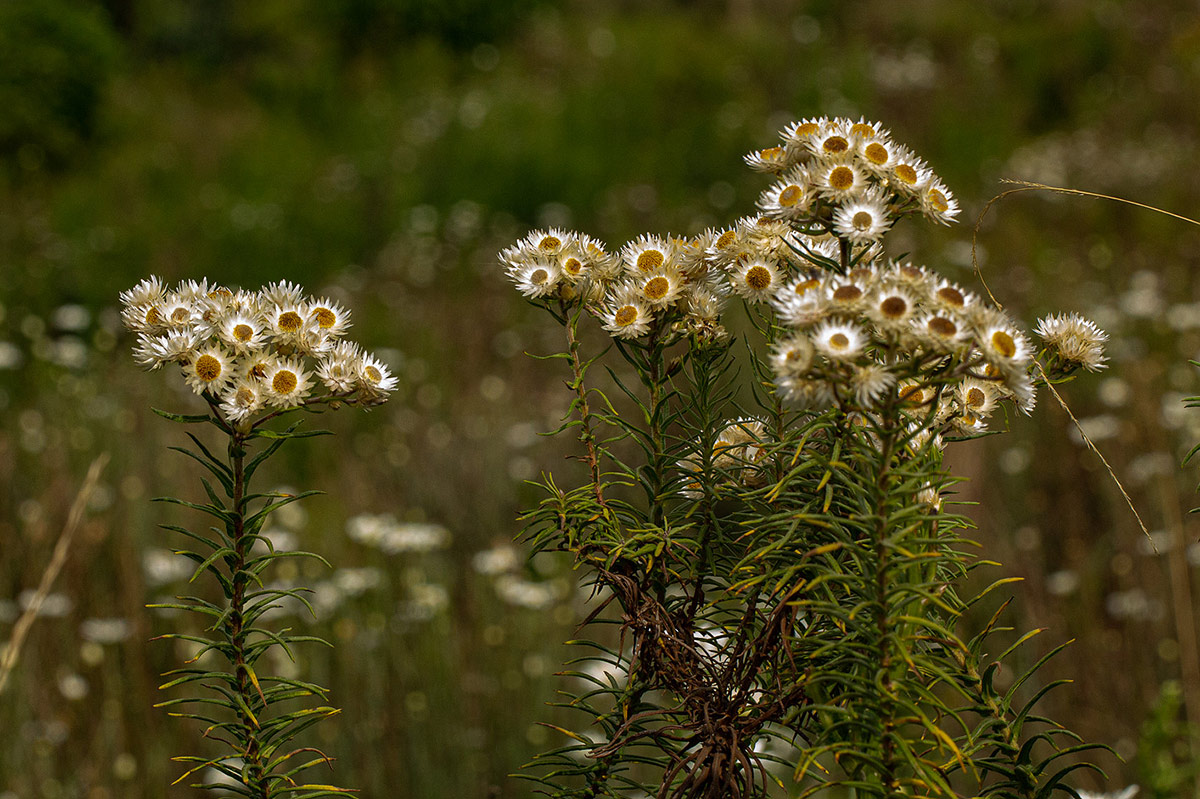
column 778, row 578
column 254, row 359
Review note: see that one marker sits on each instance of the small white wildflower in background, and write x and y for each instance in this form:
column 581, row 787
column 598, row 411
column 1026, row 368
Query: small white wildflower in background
column 105, row 631
column 385, row 533
column 497, row 560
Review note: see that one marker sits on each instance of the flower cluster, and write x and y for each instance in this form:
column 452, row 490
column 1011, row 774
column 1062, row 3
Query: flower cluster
column 249, row 351
column 847, row 326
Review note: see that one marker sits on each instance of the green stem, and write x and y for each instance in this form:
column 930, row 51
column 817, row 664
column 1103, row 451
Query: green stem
column 883, row 617
column 654, row 380
column 586, row 434
column 256, row 779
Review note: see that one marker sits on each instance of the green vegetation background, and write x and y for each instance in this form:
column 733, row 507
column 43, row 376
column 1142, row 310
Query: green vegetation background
column 381, row 151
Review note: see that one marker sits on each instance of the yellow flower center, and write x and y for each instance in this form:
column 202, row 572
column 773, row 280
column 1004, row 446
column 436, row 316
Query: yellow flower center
column 153, row 317
column 807, row 129
column 1004, row 344
column 284, row 381
column 839, row 341
column 975, row 397
column 549, row 243
column 805, row 286
column 876, row 153
column 372, row 374
column 258, row 371
column 937, row 201
column 862, row 130
column 847, row 293
column 943, row 327
column 649, row 260
column 910, row 272
column 790, row 196
column 835, row 145
column 951, row 296
column 725, row 239
column 841, row 178
column 893, row 307
column 243, row 333
column 208, row 368
column 906, row 174
column 625, row 315
column 326, row 318
column 656, row 288
column 289, row 321
column 771, row 154
column 862, row 220
column 911, row 394
column 758, row 277
column 572, row 266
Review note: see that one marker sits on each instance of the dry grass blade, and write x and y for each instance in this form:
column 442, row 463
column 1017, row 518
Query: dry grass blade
column 1027, row 185
column 8, row 660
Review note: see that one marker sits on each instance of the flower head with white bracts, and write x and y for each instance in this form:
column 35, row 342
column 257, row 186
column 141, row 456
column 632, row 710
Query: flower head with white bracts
column 248, row 353
column 845, row 324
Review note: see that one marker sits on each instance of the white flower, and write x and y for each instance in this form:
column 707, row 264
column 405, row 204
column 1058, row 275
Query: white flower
column 862, row 220
column 547, row 242
column 977, row 396
column 282, row 293
column 841, row 182
column 242, row 331
column 891, row 309
column 626, row 315
column 803, row 303
column 870, row 383
column 941, row 330
column 908, row 173
column 175, row 346
column 339, row 368
column 839, row 341
column 374, row 378
column 148, row 317
column 770, row 159
column 331, row 317
column 938, row 203
column 1077, row 341
column 1003, row 346
column 148, row 292
column 290, row 324
column 832, row 143
column 658, row 289
column 242, row 401
column 878, row 156
column 803, row 393
column 793, row 356
column 178, row 311
column 537, row 278
column 285, row 383
column 648, row 254
column 757, row 279
column 211, row 370
column 789, row 198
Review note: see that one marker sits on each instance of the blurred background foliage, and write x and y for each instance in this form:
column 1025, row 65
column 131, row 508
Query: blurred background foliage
column 381, row 151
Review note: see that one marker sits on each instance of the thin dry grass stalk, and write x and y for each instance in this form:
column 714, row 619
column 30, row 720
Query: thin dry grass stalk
column 12, row 652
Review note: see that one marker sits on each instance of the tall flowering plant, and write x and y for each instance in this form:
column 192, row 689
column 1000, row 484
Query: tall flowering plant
column 254, row 359
column 763, row 521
